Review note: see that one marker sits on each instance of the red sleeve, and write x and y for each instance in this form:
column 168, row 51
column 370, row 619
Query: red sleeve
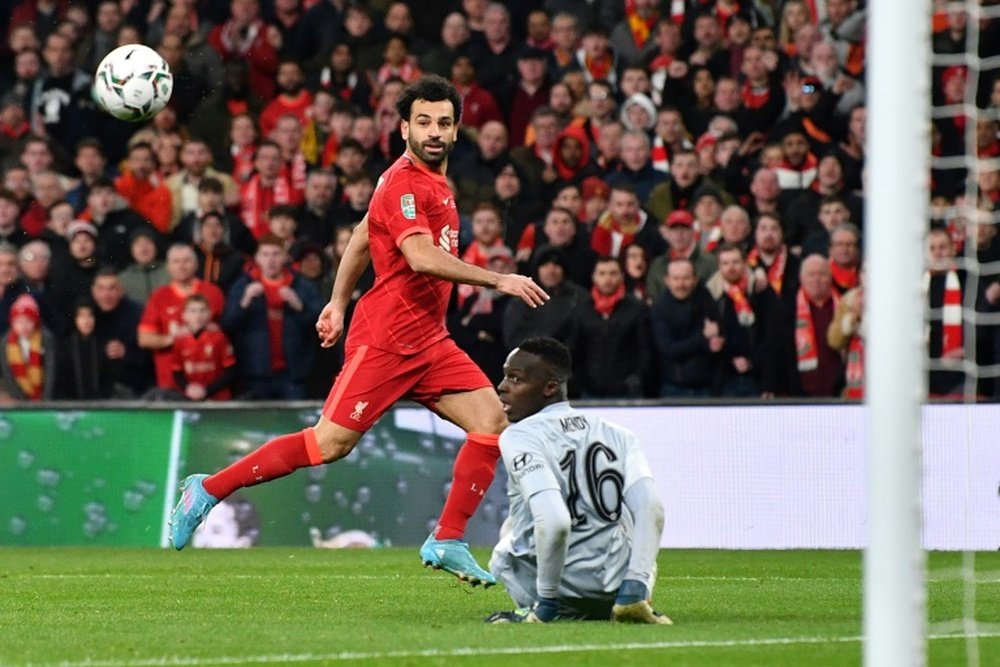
column 215, row 41
column 404, row 207
column 150, row 316
column 600, row 241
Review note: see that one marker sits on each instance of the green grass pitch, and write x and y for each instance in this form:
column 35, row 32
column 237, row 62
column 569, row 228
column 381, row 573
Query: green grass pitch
column 116, row 607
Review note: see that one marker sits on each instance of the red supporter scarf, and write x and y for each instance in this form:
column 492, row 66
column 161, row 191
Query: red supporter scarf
column 242, row 162
column 806, row 350
column 738, row 293
column 844, row 278
column 599, row 69
column 951, row 314
column 755, row 98
column 775, row 272
column 605, row 304
column 659, row 155
column 640, row 27
column 275, row 313
column 854, row 373
column 27, row 372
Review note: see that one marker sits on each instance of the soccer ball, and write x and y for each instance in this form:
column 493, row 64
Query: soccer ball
column 133, row 83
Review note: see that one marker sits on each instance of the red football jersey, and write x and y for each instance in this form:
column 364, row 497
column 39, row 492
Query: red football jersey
column 203, row 358
column 404, row 311
column 163, row 315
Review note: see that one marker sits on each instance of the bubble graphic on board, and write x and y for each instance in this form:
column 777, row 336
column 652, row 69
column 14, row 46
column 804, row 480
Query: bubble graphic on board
column 45, row 503
column 133, row 500
column 6, row 429
column 317, row 473
column 17, row 525
column 364, row 495
column 314, row 492
column 25, row 458
column 97, row 519
column 402, row 486
column 48, row 477
column 66, row 420
column 340, row 499
column 357, row 509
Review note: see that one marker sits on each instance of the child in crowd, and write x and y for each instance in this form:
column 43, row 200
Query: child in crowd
column 204, row 363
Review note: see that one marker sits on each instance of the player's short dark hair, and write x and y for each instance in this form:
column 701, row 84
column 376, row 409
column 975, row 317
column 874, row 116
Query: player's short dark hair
column 431, row 88
column 553, row 353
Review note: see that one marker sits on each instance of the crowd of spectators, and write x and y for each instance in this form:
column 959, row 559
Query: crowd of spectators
column 684, row 177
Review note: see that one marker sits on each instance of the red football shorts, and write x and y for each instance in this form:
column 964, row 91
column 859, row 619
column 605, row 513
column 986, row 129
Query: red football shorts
column 373, row 379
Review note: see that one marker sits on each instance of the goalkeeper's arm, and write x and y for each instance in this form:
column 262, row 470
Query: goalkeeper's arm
column 552, row 527
column 647, row 513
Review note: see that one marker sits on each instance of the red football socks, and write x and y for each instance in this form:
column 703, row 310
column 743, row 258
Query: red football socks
column 275, row 458
column 475, row 466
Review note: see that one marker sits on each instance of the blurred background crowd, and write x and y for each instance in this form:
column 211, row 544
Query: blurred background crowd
column 686, row 178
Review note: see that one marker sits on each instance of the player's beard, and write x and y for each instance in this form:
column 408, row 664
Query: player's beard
column 433, row 159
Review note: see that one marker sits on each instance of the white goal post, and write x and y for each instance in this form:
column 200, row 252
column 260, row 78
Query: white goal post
column 896, row 213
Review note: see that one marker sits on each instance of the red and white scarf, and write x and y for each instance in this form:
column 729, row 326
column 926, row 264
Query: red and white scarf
column 854, row 372
column 951, row 312
column 844, row 278
column 659, row 155
column 806, row 350
column 258, row 200
column 27, row 372
column 775, row 272
column 741, row 303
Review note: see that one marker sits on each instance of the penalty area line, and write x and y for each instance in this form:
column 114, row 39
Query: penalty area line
column 344, row 656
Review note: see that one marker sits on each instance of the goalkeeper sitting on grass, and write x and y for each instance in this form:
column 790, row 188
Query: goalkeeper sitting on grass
column 585, row 522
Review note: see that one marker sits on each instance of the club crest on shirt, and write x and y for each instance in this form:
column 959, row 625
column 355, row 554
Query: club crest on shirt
column 359, row 408
column 408, row 205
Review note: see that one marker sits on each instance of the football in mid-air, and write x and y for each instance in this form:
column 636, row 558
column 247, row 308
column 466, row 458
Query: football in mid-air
column 133, row 83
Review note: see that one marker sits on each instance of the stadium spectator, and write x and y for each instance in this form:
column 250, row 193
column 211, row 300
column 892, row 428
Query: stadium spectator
column 454, row 40
column 358, row 190
column 560, row 229
column 528, row 92
column 477, row 323
column 146, row 273
column 344, row 78
column 271, row 313
column 315, row 219
column 82, row 364
column 70, row 280
column 636, row 168
column 28, row 364
column 614, row 341
column 91, row 164
column 518, row 208
column 196, row 163
column 678, row 230
column 479, row 107
column 10, row 286
column 557, row 319
column 623, row 223
column 945, row 285
column 161, row 320
column 218, row 261
column 495, row 55
column 281, row 224
column 802, row 216
column 115, row 223
column 735, row 228
column 367, row 39
column 204, row 364
column 772, row 261
column 632, row 38
column 245, row 39
column 845, row 257
column 687, row 335
column 678, row 192
column 846, row 334
column 266, row 188
column 820, row 368
column 536, row 161
column 635, row 263
column 60, row 98
column 565, row 38
column 476, row 171
column 142, row 188
column 10, row 227
column 750, row 321
column 117, row 325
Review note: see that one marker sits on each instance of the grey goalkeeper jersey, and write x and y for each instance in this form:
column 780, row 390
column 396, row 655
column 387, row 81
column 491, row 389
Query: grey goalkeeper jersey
column 591, row 463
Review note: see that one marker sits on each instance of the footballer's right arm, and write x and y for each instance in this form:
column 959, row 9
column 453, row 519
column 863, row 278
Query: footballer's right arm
column 424, row 256
column 357, row 256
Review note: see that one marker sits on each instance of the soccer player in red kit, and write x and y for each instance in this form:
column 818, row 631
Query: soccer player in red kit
column 398, row 346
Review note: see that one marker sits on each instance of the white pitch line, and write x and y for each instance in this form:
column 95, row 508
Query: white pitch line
column 179, row 661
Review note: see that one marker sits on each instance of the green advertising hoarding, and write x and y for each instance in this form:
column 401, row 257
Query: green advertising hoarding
column 85, row 477
column 109, row 477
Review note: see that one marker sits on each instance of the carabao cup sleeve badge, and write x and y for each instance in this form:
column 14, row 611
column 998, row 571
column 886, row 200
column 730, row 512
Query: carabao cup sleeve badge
column 409, row 206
